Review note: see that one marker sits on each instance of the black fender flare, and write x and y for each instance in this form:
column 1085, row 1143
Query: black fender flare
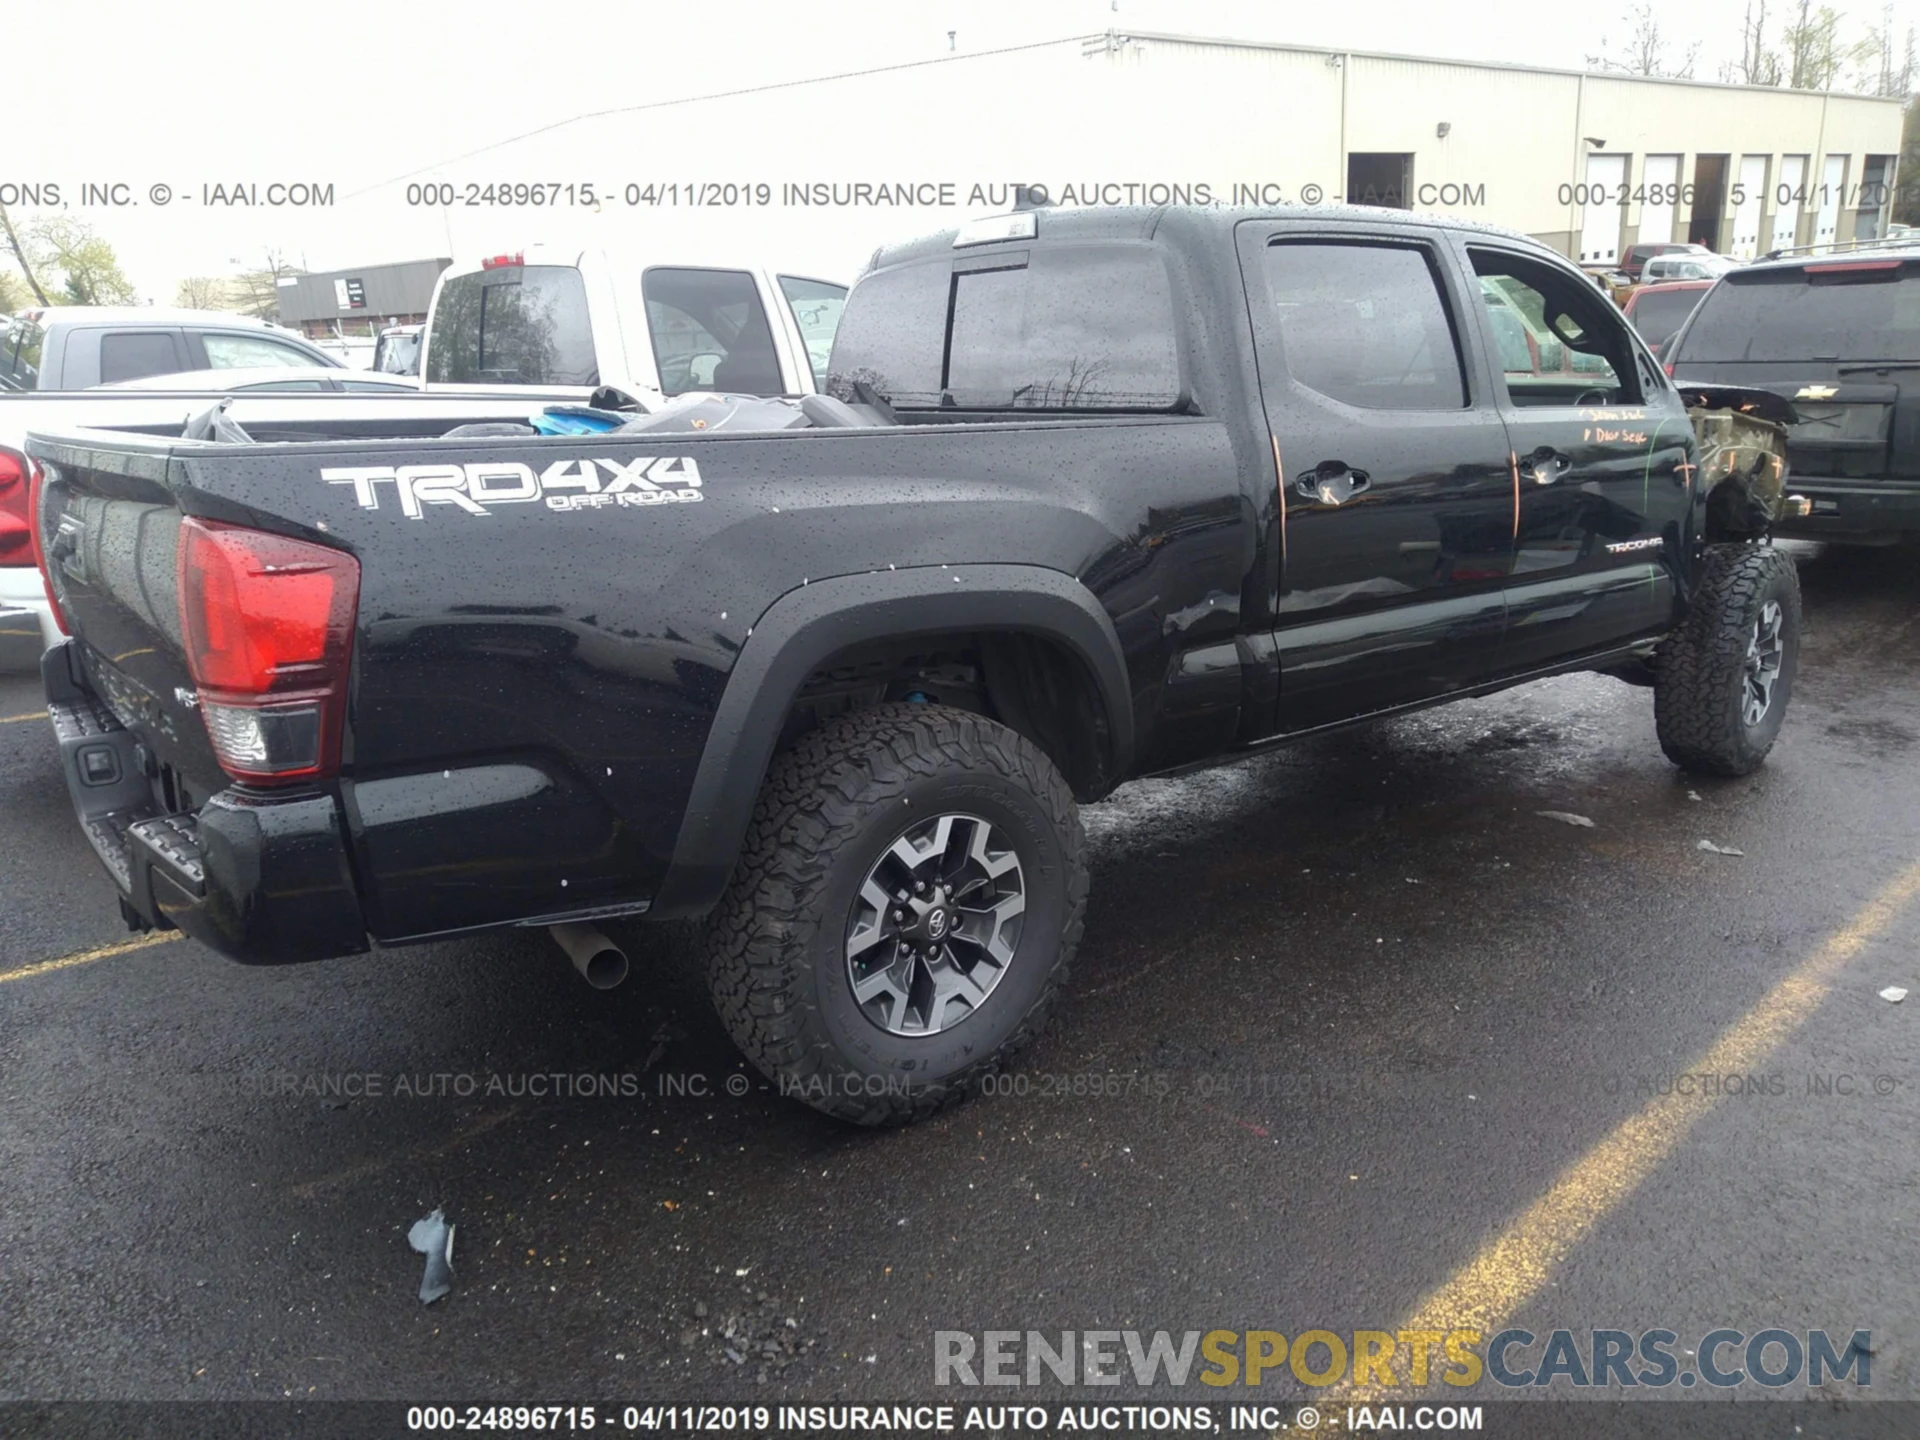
column 805, row 626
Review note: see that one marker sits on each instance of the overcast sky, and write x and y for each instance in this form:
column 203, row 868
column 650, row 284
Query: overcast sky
column 351, row 92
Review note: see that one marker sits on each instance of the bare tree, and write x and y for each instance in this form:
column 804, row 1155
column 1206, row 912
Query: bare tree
column 202, row 292
column 1758, row 64
column 258, row 291
column 1878, row 73
column 1646, row 52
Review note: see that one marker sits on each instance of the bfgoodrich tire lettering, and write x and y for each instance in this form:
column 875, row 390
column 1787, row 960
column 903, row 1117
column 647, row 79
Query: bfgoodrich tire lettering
column 777, row 957
column 1724, row 677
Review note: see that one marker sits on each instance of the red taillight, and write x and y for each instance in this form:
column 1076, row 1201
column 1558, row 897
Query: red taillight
column 268, row 626
column 36, row 483
column 1849, row 267
column 499, row 262
column 1668, row 367
column 16, row 522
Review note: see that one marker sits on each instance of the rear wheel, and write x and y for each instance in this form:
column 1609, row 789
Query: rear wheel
column 1724, row 677
column 904, row 911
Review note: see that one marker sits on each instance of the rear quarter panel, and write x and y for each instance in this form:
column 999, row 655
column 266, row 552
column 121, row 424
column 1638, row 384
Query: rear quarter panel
column 534, row 685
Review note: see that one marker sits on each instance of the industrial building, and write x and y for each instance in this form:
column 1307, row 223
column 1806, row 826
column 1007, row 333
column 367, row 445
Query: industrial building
column 1588, row 163
column 360, row 301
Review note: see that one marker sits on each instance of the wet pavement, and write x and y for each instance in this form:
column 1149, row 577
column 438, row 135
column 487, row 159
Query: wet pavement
column 1342, row 1013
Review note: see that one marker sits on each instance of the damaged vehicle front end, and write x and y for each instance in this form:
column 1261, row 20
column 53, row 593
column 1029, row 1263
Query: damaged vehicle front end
column 1742, row 438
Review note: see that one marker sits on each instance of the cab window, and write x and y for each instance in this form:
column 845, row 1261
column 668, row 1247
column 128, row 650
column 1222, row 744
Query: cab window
column 228, row 351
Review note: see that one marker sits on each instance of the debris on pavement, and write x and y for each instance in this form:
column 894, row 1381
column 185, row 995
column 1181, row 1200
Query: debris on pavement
column 1693, row 794
column 1894, row 994
column 1708, row 845
column 1565, row 817
column 433, row 1238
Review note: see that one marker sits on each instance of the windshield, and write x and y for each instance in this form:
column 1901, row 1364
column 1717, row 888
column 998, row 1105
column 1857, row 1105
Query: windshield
column 516, row 325
column 1801, row 314
column 397, row 354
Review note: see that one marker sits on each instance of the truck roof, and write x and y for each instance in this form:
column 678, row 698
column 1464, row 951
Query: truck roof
column 1194, row 223
column 149, row 314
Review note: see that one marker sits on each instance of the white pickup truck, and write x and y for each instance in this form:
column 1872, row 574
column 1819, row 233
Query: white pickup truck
column 583, row 319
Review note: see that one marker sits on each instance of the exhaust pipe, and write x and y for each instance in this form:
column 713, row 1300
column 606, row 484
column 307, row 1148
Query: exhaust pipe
column 598, row 959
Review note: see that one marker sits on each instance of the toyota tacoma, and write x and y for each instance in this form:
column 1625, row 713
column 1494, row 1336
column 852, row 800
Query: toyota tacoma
column 1093, row 496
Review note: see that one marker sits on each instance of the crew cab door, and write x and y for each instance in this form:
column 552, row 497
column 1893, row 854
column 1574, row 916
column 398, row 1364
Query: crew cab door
column 1602, row 487
column 1396, row 513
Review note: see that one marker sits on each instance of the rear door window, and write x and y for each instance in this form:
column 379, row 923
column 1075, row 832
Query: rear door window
column 1849, row 310
column 515, row 325
column 816, row 307
column 710, row 332
column 130, row 354
column 1365, row 324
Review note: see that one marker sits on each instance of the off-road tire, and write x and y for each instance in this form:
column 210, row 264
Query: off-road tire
column 1701, row 691
column 831, row 806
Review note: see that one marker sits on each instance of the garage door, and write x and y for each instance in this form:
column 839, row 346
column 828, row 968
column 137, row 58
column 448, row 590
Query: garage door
column 1787, row 197
column 1660, row 178
column 1826, row 221
column 1600, row 219
column 1751, row 193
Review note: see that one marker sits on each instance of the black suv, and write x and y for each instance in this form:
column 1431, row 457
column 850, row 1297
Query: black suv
column 1839, row 336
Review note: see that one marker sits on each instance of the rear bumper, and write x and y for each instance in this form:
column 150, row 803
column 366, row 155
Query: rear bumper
column 264, row 879
column 1854, row 509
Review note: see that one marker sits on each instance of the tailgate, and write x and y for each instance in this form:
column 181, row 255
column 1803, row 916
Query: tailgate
column 260, row 874
column 1848, row 427
column 111, row 534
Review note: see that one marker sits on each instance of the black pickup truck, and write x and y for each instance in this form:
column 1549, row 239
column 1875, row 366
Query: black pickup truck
column 1097, row 495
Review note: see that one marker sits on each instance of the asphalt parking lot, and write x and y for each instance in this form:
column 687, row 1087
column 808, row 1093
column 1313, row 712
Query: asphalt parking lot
column 1346, row 1017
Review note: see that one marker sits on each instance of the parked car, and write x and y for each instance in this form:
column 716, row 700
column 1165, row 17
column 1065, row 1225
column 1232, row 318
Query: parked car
column 397, row 351
column 1635, row 258
column 1658, row 310
column 835, row 672
column 1839, row 337
column 73, row 347
column 1705, row 266
column 653, row 330
column 269, row 377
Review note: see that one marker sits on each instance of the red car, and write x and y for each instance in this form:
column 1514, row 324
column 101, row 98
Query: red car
column 1656, row 311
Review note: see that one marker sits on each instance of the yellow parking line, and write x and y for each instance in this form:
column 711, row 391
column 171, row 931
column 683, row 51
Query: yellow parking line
column 87, row 957
column 1514, row 1267
column 14, row 719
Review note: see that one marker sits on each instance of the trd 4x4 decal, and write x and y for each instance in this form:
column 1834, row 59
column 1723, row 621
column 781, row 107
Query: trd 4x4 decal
column 564, row 485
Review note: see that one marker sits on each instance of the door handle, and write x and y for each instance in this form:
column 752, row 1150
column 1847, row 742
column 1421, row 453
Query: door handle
column 1547, row 465
column 1332, row 482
